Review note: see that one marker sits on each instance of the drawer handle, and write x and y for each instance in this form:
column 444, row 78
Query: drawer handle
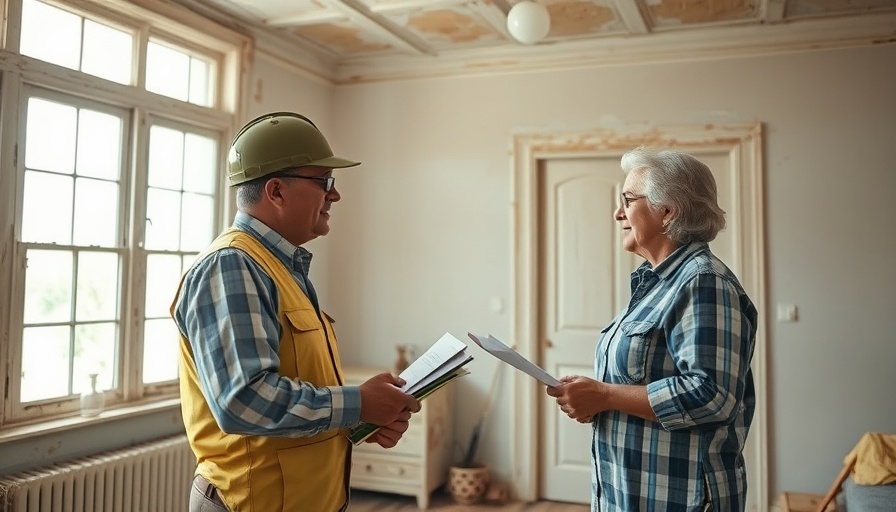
column 369, row 468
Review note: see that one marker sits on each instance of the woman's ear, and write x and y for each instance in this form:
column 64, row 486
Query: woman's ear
column 668, row 216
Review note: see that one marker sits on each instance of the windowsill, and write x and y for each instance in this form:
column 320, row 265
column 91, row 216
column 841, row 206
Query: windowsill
column 19, row 432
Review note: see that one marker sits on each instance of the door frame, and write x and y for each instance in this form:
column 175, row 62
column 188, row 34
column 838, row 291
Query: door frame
column 743, row 142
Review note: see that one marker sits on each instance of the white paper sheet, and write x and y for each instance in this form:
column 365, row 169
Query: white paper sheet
column 443, row 357
column 494, row 347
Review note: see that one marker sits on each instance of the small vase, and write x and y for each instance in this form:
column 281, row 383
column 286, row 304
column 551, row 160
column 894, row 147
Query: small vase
column 92, row 400
column 401, row 362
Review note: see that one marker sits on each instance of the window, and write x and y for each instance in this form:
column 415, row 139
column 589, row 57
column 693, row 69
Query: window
column 73, row 253
column 77, row 43
column 111, row 183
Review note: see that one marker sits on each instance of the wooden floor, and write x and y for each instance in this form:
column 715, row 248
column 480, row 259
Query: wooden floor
column 364, row 501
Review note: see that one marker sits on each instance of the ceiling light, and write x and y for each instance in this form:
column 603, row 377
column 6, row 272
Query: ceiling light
column 528, row 22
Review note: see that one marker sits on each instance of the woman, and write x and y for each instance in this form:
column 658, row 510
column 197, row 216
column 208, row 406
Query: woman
column 672, row 399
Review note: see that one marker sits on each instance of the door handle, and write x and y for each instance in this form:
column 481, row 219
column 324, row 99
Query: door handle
column 548, row 343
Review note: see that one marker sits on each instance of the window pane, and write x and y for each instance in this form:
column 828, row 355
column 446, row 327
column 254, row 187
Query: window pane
column 163, row 219
column 167, row 71
column 200, row 164
column 196, row 222
column 97, row 298
column 95, row 353
column 160, row 350
column 96, row 213
column 50, row 34
column 163, row 273
column 107, row 52
column 44, row 192
column 45, row 353
column 50, row 136
column 166, row 157
column 200, row 92
column 99, row 145
column 48, row 286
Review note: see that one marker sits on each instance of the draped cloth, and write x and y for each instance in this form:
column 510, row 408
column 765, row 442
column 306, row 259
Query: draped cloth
column 874, row 459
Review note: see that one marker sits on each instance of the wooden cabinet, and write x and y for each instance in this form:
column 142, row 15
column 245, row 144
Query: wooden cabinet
column 418, row 464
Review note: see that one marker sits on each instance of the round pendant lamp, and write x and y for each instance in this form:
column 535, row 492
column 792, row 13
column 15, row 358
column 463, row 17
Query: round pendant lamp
column 528, row 22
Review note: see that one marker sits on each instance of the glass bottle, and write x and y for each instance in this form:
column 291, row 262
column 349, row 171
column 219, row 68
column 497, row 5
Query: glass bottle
column 92, row 400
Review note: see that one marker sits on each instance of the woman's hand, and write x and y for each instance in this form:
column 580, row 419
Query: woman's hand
column 579, row 397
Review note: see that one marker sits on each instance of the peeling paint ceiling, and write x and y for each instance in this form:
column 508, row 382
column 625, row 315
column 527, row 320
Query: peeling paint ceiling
column 342, row 32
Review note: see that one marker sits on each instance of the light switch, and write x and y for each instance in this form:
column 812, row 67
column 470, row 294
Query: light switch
column 787, row 313
column 497, row 304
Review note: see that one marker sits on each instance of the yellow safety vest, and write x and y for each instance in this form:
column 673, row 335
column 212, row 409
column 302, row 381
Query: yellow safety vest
column 260, row 473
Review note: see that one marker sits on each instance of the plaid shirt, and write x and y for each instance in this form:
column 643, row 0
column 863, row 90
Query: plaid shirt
column 228, row 310
column 688, row 335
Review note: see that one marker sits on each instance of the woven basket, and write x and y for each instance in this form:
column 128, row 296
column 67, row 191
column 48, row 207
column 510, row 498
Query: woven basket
column 468, row 485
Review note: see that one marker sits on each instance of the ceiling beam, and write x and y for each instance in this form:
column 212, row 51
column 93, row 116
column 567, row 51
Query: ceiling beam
column 403, row 6
column 631, row 15
column 493, row 14
column 307, row 18
column 400, row 37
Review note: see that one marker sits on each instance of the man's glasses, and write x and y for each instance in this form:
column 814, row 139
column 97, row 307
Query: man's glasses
column 326, row 181
column 625, row 201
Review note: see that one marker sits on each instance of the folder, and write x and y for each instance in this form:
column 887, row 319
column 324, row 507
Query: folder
column 443, row 362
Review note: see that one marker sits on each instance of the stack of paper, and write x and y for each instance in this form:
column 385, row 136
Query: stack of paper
column 442, row 363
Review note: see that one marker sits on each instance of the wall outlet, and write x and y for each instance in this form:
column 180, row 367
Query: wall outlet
column 787, row 313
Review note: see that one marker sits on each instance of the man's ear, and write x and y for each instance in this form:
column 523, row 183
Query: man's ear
column 273, row 191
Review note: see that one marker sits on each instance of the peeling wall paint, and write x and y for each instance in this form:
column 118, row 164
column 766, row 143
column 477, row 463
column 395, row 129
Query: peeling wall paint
column 450, row 25
column 347, row 40
column 360, row 32
column 819, row 7
column 701, row 11
column 578, row 17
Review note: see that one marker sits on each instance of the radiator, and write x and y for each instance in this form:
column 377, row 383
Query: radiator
column 150, row 477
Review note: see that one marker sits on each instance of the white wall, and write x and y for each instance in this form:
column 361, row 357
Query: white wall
column 277, row 87
column 421, row 242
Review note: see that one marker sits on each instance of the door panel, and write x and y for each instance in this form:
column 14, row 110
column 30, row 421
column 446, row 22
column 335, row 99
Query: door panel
column 580, row 294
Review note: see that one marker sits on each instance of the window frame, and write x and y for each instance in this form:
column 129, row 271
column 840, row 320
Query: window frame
column 20, row 76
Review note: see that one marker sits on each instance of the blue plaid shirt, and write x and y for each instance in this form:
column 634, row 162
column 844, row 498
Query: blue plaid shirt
column 228, row 310
column 688, row 335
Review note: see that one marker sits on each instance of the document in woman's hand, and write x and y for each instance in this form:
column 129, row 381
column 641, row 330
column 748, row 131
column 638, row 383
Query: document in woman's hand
column 494, row 347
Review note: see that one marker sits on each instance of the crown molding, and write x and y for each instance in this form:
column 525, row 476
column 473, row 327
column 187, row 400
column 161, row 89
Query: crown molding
column 708, row 43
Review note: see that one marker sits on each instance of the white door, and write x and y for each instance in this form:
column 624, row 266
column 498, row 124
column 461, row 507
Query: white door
column 584, row 275
column 584, row 283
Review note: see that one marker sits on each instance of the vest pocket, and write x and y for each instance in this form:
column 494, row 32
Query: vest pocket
column 304, row 347
column 303, row 320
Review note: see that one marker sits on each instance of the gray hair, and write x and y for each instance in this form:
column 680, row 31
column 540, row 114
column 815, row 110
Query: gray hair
column 249, row 193
column 682, row 183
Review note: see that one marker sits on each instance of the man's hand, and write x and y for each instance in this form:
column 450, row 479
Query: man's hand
column 389, row 435
column 383, row 403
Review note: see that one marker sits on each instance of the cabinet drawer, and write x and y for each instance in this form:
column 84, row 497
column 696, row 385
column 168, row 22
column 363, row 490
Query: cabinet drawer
column 370, row 468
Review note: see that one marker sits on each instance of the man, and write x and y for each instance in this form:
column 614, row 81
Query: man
column 262, row 393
